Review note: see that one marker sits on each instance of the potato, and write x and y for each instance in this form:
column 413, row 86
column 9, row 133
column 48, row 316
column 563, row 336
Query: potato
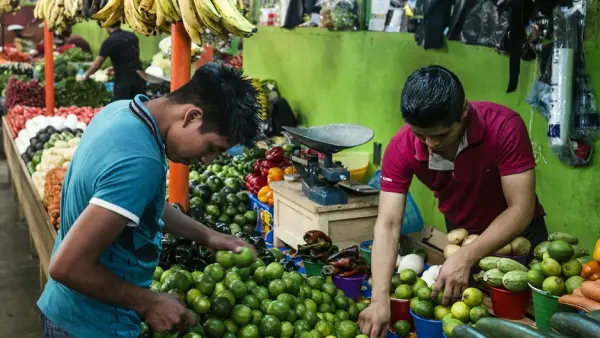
column 505, row 251
column 450, row 249
column 469, row 239
column 456, row 236
column 520, row 246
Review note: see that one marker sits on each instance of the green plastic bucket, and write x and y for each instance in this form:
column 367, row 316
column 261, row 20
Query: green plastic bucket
column 544, row 306
column 366, row 252
column 313, row 268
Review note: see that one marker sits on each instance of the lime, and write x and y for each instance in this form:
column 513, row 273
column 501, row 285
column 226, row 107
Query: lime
column 573, row 283
column 315, row 282
column 402, row 327
column 325, row 308
column 342, row 314
column 191, row 295
column 449, row 325
column 261, row 293
column 291, row 287
column 260, row 275
column 353, row 311
column 287, row 298
column 249, row 331
column 325, row 328
column 230, row 326
column 201, row 305
column 326, row 298
column 227, row 294
column 251, row 301
column 192, row 335
column 537, row 266
column 347, row 329
column 215, row 271
column 214, row 328
column 396, row 281
column 221, row 307
column 180, row 281
column 424, row 293
column 278, row 309
column 329, row 288
column 270, row 326
column 341, row 302
column 340, row 292
column 555, row 285
column 301, row 325
column 245, row 273
column 256, row 317
column 158, row 273
column 477, row 313
column 297, row 277
column 239, row 289
column 408, row 276
column 424, row 309
column 264, row 305
column 300, row 309
column 292, row 316
column 403, row 291
column 560, row 250
column 418, row 284
column 551, row 267
column 316, row 296
column 287, row 330
column 219, row 287
column 571, row 268
column 197, row 276
column 310, row 305
column 461, row 311
column 244, row 258
column 230, row 277
column 472, row 297
column 274, row 271
column 535, row 278
column 276, row 287
column 362, row 305
column 251, row 285
column 256, row 264
column 330, row 317
column 311, row 318
column 241, row 315
column 440, row 311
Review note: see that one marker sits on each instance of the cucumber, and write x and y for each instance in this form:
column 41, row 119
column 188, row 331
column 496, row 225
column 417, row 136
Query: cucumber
column 515, row 281
column 493, row 277
column 499, row 328
column 594, row 315
column 467, row 331
column 574, row 325
column 488, row 263
column 506, row 265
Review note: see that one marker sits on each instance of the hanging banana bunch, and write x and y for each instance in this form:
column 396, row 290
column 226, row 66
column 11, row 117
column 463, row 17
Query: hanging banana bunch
column 59, row 13
column 150, row 17
column 263, row 100
column 9, row 6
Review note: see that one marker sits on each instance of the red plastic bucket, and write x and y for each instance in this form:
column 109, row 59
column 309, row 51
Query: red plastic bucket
column 509, row 305
column 400, row 310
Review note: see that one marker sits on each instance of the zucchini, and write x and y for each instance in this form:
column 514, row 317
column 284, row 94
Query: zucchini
column 594, row 315
column 499, row 328
column 467, row 331
column 574, row 325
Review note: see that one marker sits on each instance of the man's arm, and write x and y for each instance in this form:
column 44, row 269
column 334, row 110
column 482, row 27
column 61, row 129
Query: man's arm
column 179, row 224
column 76, row 265
column 519, row 191
column 94, row 67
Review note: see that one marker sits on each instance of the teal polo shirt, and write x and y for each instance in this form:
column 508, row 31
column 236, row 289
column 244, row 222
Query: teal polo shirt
column 120, row 166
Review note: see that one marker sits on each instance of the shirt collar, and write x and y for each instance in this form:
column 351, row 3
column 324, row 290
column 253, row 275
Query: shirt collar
column 140, row 100
column 474, row 134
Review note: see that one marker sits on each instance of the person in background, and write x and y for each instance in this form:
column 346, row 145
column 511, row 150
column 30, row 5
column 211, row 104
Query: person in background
column 75, row 40
column 113, row 210
column 478, row 160
column 123, row 49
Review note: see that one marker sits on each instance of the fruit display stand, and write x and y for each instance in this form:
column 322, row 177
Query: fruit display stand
column 42, row 233
column 347, row 224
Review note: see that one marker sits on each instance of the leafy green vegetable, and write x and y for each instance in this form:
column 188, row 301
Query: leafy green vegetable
column 76, row 55
column 88, row 93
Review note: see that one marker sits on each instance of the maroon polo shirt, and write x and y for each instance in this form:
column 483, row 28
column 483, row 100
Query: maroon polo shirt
column 471, row 195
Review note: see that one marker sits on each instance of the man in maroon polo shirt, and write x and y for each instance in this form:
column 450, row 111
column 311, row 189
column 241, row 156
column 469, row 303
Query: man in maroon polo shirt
column 477, row 159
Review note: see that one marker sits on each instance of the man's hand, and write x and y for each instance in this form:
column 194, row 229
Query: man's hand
column 164, row 313
column 374, row 321
column 218, row 241
column 453, row 277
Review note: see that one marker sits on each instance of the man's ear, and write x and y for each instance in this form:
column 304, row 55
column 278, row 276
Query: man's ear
column 193, row 114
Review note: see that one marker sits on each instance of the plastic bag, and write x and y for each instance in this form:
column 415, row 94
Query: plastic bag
column 478, row 22
column 339, row 15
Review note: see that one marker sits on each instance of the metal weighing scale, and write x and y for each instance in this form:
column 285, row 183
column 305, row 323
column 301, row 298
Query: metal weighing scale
column 320, row 178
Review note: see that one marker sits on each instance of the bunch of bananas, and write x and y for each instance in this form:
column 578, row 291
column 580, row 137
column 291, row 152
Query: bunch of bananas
column 149, row 17
column 263, row 99
column 58, row 13
column 9, row 6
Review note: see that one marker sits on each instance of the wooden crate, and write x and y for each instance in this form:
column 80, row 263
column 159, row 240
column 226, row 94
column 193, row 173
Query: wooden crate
column 346, row 224
column 31, row 206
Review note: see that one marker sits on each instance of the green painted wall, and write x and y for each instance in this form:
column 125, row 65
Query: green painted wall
column 357, row 77
column 95, row 34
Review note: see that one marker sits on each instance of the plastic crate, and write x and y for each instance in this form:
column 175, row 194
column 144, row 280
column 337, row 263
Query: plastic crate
column 264, row 220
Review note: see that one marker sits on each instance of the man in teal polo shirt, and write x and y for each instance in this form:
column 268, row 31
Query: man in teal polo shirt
column 113, row 212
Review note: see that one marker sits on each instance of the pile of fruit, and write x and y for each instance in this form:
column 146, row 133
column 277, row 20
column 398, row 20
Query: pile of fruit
column 52, row 188
column 557, row 268
column 239, row 296
column 458, row 238
column 270, row 169
column 502, row 272
column 13, row 55
column 26, row 93
column 148, row 17
column 59, row 14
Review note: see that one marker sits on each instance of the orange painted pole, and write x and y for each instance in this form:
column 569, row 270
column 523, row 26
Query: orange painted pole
column 181, row 61
column 49, row 68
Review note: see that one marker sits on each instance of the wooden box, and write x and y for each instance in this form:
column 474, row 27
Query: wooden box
column 346, row 224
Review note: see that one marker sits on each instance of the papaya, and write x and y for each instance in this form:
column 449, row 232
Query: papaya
column 493, row 277
column 488, row 263
column 515, row 281
column 506, row 265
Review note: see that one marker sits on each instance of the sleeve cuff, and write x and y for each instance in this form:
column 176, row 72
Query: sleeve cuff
column 513, row 170
column 133, row 219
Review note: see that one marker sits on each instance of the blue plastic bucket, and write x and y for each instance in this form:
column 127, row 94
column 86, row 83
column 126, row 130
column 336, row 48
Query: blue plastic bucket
column 427, row 328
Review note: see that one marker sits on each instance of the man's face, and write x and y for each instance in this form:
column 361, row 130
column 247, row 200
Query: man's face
column 186, row 144
column 441, row 138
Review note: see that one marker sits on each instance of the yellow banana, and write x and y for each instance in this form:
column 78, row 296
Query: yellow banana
column 115, row 17
column 233, row 20
column 160, row 17
column 213, row 25
column 205, row 8
column 134, row 21
column 145, row 5
column 153, row 8
column 190, row 21
column 106, row 11
column 169, row 11
column 175, row 4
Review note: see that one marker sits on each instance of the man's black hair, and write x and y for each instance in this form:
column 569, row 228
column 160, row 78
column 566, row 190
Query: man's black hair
column 228, row 100
column 432, row 96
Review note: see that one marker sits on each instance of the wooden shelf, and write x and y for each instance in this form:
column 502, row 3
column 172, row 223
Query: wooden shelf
column 31, row 206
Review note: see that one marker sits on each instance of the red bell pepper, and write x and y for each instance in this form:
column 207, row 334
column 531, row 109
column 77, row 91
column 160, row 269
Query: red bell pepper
column 275, row 154
column 265, row 166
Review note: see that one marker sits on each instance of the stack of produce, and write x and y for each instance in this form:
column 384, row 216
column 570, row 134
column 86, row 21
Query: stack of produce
column 66, row 65
column 519, row 247
column 24, row 93
column 346, row 263
column 16, row 68
column 318, row 247
column 270, row 169
column 150, row 17
column 9, row 6
column 12, row 54
column 239, row 296
column 502, row 272
column 59, row 14
column 563, row 324
column 52, row 188
column 88, row 93
column 58, row 155
column 557, row 268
